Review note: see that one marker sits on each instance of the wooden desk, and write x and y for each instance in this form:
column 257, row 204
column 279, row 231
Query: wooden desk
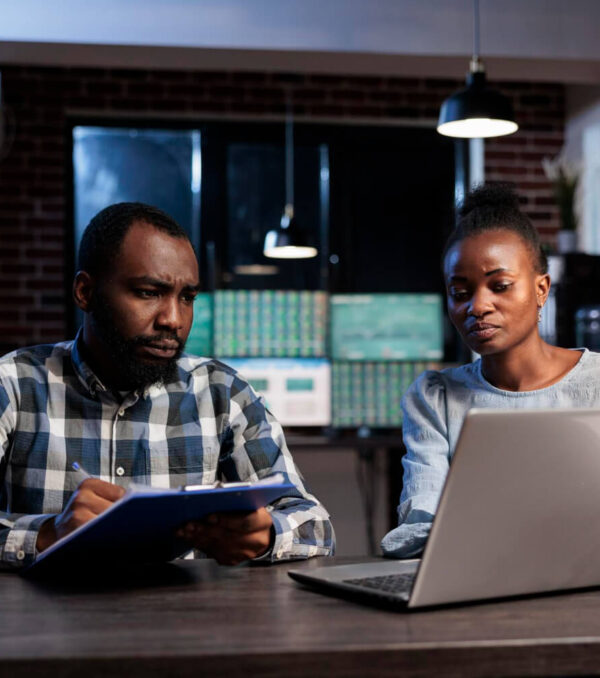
column 197, row 619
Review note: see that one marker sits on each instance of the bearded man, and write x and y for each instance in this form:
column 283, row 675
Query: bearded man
column 125, row 403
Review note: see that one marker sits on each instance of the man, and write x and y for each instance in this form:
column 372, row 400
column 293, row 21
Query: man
column 124, row 403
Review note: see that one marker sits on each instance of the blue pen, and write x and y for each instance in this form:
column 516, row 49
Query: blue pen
column 82, row 472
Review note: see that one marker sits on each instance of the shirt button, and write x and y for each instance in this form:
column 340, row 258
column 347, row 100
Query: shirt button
column 20, row 555
column 120, row 471
column 121, row 413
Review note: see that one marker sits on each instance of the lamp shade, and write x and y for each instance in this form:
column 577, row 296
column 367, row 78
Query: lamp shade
column 288, row 241
column 476, row 111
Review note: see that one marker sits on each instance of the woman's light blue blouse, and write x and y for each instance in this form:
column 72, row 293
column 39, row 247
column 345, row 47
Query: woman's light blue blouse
column 434, row 408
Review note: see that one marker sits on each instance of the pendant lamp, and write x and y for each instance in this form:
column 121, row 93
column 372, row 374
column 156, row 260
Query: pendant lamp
column 477, row 111
column 288, row 241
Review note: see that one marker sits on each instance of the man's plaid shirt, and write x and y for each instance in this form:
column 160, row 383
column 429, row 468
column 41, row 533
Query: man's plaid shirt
column 209, row 424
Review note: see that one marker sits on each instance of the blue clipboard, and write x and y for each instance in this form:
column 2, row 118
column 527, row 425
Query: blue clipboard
column 140, row 527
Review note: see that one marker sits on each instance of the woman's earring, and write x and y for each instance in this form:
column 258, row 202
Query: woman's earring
column 540, row 314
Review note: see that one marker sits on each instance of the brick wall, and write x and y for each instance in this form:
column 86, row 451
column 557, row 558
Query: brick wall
column 33, row 170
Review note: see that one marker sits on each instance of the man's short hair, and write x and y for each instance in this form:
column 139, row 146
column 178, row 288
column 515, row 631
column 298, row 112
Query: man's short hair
column 102, row 238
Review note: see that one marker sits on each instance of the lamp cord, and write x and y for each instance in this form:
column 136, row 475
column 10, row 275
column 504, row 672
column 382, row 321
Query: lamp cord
column 476, row 30
column 289, row 153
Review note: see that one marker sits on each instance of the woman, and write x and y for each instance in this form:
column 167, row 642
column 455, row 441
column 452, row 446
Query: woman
column 496, row 284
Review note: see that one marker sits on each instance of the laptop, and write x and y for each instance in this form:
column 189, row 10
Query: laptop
column 519, row 514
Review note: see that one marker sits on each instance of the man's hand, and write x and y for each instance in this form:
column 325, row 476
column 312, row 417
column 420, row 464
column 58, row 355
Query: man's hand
column 92, row 497
column 230, row 538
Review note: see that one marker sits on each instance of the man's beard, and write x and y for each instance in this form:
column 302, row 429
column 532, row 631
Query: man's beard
column 133, row 372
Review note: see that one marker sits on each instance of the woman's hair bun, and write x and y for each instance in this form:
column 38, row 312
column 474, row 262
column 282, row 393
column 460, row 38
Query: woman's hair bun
column 490, row 207
column 498, row 196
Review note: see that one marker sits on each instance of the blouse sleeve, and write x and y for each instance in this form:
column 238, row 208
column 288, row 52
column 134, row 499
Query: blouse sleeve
column 426, row 463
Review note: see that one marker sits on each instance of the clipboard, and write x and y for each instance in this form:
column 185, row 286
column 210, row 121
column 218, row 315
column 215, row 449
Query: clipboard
column 140, row 527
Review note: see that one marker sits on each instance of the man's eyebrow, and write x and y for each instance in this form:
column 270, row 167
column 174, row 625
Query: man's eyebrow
column 192, row 288
column 498, row 270
column 161, row 284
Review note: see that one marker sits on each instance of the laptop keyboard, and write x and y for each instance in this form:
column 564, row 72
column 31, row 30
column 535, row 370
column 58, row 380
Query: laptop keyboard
column 389, row 583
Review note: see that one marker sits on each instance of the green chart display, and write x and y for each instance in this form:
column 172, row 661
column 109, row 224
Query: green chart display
column 386, row 327
column 369, row 394
column 270, row 323
column 200, row 339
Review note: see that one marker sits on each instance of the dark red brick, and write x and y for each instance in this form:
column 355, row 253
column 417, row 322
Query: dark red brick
column 9, row 330
column 290, row 78
column 52, row 300
column 45, row 284
column 52, row 269
column 538, row 216
column 57, row 316
column 16, row 270
column 17, row 300
column 347, row 95
column 492, row 155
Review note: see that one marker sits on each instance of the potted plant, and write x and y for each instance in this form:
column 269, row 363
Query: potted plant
column 564, row 178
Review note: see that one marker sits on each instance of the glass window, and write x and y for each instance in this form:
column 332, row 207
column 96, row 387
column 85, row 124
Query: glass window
column 158, row 167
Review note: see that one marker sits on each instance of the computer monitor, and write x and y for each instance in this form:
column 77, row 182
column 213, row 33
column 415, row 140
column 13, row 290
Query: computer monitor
column 270, row 323
column 296, row 390
column 369, row 393
column 374, row 327
column 200, row 339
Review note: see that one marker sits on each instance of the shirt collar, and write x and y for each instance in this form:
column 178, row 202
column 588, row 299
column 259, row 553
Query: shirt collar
column 83, row 371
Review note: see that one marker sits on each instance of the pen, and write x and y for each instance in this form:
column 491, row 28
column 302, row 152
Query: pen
column 79, row 469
